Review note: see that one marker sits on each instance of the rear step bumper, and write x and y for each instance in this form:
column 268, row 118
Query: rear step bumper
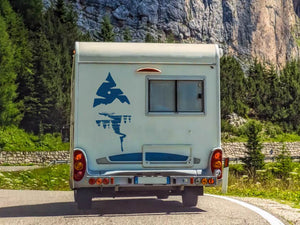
column 138, row 191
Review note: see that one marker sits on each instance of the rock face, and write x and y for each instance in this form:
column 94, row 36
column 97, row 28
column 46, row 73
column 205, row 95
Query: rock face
column 266, row 29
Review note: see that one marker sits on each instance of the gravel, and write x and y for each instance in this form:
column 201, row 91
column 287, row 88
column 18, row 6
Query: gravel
column 17, row 168
column 292, row 215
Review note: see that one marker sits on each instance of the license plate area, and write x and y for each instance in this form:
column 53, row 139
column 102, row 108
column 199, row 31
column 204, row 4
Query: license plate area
column 151, row 180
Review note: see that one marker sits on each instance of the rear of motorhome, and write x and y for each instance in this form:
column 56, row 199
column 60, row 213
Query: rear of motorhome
column 145, row 120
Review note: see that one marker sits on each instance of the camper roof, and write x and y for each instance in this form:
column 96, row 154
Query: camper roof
column 112, row 52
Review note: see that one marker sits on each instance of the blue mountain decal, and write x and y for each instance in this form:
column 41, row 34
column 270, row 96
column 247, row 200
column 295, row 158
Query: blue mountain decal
column 115, row 122
column 109, row 93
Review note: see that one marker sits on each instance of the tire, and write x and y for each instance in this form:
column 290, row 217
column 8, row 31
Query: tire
column 162, row 196
column 83, row 199
column 189, row 197
column 75, row 196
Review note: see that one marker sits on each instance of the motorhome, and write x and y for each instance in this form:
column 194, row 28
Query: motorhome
column 145, row 120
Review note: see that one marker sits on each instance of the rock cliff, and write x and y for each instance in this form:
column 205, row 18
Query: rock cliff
column 266, row 29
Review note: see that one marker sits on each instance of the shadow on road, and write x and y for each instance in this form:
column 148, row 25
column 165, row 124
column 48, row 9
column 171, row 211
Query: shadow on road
column 110, row 208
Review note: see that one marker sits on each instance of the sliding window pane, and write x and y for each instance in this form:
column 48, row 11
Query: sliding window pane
column 162, row 96
column 190, row 96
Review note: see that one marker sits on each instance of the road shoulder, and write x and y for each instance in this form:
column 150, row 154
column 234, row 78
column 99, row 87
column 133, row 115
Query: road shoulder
column 292, row 215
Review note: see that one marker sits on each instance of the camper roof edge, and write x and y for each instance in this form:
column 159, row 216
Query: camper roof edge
column 144, row 53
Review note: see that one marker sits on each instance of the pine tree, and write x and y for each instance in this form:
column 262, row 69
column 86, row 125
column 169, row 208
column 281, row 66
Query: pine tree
column 254, row 159
column 45, row 86
column 22, row 56
column 106, row 34
column 9, row 113
column 126, row 35
column 30, row 10
column 149, row 38
column 284, row 164
column 56, row 39
column 170, row 38
column 233, row 88
column 256, row 88
column 290, row 85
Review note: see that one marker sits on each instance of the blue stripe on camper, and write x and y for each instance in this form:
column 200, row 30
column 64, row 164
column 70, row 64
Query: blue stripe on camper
column 157, row 156
column 126, row 157
column 150, row 156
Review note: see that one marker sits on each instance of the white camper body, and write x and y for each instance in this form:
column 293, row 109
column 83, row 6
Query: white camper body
column 145, row 120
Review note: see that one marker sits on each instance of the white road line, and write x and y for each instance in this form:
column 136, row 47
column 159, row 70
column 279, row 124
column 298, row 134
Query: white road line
column 267, row 216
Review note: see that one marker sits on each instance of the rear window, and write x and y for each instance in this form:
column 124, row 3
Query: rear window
column 175, row 96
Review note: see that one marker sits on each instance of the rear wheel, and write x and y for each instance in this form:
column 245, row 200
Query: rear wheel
column 75, row 196
column 162, row 196
column 190, row 197
column 83, row 198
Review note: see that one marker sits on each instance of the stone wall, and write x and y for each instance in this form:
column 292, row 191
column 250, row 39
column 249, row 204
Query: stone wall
column 33, row 157
column 231, row 150
column 237, row 150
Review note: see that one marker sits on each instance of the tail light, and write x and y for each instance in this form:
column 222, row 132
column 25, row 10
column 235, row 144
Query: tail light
column 216, row 163
column 79, row 165
column 105, row 181
column 92, row 181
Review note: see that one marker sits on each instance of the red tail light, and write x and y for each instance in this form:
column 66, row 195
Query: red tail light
column 216, row 163
column 79, row 165
column 92, row 181
column 105, row 181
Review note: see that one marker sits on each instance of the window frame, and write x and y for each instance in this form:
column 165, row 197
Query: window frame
column 176, row 78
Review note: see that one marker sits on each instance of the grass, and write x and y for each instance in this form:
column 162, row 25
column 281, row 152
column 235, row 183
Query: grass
column 284, row 190
column 17, row 164
column 16, row 139
column 49, row 178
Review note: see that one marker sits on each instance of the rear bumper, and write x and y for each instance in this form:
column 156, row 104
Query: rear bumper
column 150, row 179
column 137, row 191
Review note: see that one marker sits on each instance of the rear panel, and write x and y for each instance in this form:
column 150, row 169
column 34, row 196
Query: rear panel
column 116, row 128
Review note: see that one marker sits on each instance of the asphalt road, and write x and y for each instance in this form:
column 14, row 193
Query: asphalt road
column 57, row 207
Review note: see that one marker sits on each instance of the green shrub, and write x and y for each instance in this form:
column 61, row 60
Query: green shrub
column 272, row 130
column 298, row 131
column 236, row 169
column 15, row 139
column 284, row 164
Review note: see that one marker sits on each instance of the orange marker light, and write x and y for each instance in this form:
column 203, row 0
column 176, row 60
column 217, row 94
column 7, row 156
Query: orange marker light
column 99, row 181
column 78, row 166
column 211, row 181
column 217, row 164
column 204, row 181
